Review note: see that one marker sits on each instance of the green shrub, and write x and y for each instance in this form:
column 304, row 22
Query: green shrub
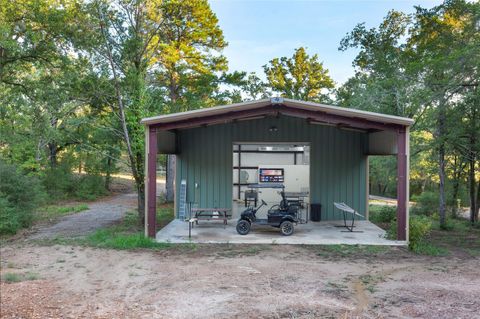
column 61, row 183
column 419, row 228
column 426, row 204
column 20, row 195
column 90, row 187
column 383, row 214
column 9, row 217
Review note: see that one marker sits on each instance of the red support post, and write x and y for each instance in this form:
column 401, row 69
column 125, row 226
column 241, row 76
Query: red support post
column 152, row 182
column 402, row 184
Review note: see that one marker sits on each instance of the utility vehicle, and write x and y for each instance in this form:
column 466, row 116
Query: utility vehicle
column 283, row 216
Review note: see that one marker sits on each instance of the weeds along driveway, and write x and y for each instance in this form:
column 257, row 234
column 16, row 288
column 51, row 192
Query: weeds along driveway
column 101, row 213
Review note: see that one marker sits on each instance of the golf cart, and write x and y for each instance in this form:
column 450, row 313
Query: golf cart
column 283, row 216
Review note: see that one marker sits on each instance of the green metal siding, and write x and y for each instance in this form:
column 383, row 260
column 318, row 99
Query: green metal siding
column 337, row 160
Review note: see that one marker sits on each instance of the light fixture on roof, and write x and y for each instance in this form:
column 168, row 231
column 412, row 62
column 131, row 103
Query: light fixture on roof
column 276, row 100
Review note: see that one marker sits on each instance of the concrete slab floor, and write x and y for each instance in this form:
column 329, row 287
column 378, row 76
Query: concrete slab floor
column 312, row 233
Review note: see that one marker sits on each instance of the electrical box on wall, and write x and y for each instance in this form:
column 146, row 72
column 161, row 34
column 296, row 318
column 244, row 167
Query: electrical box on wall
column 271, row 175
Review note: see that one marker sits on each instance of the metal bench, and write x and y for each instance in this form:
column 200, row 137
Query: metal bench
column 352, row 212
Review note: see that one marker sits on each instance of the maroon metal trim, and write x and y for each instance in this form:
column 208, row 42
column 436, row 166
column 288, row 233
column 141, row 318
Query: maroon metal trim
column 215, row 119
column 342, row 121
column 319, row 116
column 402, row 184
column 152, row 182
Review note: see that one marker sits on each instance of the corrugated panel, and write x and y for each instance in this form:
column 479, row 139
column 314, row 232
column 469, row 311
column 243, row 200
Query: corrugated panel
column 166, row 142
column 382, row 143
column 337, row 160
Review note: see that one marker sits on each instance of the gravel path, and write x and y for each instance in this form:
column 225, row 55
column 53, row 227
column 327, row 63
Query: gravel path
column 104, row 212
column 100, row 214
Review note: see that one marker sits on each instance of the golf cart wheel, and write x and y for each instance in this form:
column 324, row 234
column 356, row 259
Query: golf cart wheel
column 243, row 227
column 286, row 228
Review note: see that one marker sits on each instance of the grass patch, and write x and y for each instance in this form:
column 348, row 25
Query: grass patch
column 232, row 251
column 453, row 224
column 31, row 276
column 108, row 238
column 370, row 281
column 348, row 250
column 459, row 238
column 12, row 277
column 112, row 238
column 336, row 286
column 15, row 277
column 126, row 235
column 429, row 249
column 54, row 211
column 165, row 215
column 474, row 252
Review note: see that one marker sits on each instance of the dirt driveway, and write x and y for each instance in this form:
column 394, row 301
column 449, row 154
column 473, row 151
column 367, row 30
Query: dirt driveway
column 101, row 213
column 234, row 281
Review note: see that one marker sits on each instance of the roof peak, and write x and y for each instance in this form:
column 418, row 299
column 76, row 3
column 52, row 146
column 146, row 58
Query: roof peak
column 273, row 101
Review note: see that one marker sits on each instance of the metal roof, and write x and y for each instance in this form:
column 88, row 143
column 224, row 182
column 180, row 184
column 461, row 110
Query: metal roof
column 302, row 105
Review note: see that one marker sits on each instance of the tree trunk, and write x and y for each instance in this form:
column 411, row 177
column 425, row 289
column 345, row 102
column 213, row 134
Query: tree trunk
column 171, row 159
column 170, row 178
column 457, row 174
column 141, row 201
column 131, row 156
column 441, row 175
column 455, row 207
column 471, row 177
column 440, row 135
column 108, row 177
column 52, row 149
column 478, row 202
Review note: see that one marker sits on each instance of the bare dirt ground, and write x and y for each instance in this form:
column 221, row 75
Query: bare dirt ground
column 235, row 281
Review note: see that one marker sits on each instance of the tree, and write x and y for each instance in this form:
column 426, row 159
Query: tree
column 126, row 37
column 187, row 61
column 383, row 78
column 254, row 87
column 424, row 66
column 39, row 77
column 445, row 39
column 300, row 77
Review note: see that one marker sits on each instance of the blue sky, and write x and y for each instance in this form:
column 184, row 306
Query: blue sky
column 258, row 31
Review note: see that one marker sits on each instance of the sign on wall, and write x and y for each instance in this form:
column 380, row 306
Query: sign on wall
column 271, row 175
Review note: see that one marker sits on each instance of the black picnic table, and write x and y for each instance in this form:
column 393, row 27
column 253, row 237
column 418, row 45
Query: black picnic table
column 211, row 214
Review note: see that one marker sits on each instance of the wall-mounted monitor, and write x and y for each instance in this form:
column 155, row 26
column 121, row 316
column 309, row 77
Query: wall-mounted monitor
column 271, row 175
